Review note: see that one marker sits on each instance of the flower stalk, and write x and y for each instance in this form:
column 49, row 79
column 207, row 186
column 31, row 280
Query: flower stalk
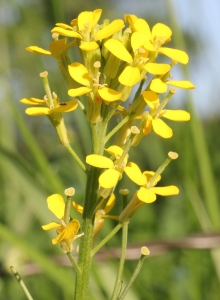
column 21, row 283
column 118, row 281
column 144, row 253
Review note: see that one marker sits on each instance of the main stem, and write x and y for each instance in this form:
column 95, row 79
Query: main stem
column 86, row 243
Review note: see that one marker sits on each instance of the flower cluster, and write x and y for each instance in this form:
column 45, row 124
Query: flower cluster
column 116, row 57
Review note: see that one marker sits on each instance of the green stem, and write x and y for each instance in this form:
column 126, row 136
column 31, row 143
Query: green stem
column 139, row 90
column 84, row 260
column 44, row 77
column 106, row 239
column 20, row 281
column 66, row 219
column 86, row 242
column 67, row 210
column 111, row 112
column 133, row 277
column 160, row 170
column 74, row 264
column 164, row 102
column 116, row 128
column 122, row 261
column 76, row 157
column 126, row 150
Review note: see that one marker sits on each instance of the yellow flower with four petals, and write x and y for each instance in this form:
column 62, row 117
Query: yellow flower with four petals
column 154, row 118
column 109, row 178
column 66, row 233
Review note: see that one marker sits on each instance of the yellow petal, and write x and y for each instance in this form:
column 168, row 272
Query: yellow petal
column 176, row 115
column 56, row 204
column 32, row 101
column 66, row 106
column 66, row 32
column 109, row 178
column 157, row 69
column 37, row 111
column 130, row 76
column 115, row 150
column 109, row 94
column 148, row 125
column 161, row 30
column 138, row 39
column 117, row 48
column 96, row 15
column 38, row 50
column 79, row 73
column 177, row 55
column 74, row 22
column 63, row 25
column 72, row 229
column 110, row 204
column 109, row 30
column 146, row 195
column 134, row 166
column 135, row 175
column 89, row 46
column 166, row 190
column 59, row 238
column 141, row 25
column 158, row 86
column 183, row 84
column 150, row 174
column 50, row 226
column 148, row 46
column 57, row 46
column 68, row 233
column 79, row 91
column 90, row 18
column 150, row 98
column 130, row 19
column 99, row 161
column 162, row 129
column 77, row 207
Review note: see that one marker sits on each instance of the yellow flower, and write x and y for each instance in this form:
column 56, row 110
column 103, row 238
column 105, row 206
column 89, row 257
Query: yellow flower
column 110, row 177
column 42, row 107
column 131, row 74
column 154, row 118
column 66, row 232
column 55, row 48
column 82, row 28
column 153, row 41
column 81, row 75
column 147, row 193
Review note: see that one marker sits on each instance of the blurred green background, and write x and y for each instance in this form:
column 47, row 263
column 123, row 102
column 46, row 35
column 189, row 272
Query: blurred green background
column 33, row 165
